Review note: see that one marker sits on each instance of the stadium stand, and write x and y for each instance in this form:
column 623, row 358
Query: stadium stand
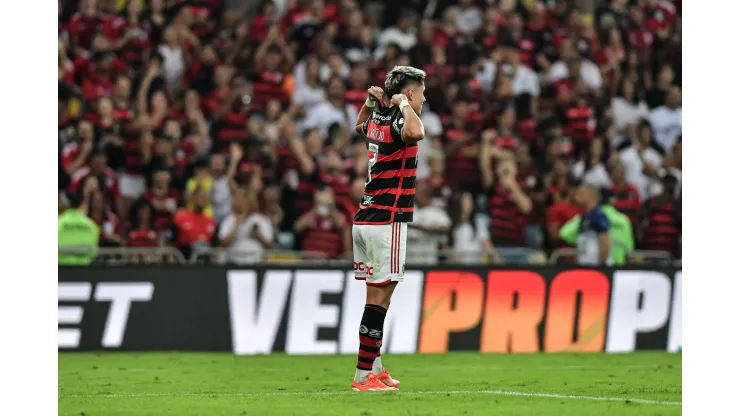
column 214, row 130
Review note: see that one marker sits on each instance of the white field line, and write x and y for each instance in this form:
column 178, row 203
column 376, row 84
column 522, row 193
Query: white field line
column 348, row 393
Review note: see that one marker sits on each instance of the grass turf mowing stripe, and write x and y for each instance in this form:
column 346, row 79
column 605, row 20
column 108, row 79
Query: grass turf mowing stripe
column 411, row 393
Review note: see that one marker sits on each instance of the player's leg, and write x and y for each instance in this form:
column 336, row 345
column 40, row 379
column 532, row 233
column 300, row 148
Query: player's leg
column 382, row 275
column 397, row 269
column 359, row 253
column 363, row 266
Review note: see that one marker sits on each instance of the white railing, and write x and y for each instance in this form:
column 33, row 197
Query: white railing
column 568, row 256
column 133, row 255
column 212, row 255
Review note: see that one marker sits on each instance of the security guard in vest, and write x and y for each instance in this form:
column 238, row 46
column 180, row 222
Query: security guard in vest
column 78, row 234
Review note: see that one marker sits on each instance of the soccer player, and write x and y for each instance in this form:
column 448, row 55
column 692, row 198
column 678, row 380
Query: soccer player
column 391, row 128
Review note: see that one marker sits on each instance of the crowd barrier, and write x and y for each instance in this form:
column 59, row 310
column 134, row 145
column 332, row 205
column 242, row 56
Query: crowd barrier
column 317, row 310
column 211, row 255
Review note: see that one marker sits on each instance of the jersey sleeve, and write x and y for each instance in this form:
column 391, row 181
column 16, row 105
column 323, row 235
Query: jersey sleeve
column 397, row 125
column 365, row 124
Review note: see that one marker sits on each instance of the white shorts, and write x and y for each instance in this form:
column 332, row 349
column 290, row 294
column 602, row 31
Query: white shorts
column 132, row 186
column 379, row 252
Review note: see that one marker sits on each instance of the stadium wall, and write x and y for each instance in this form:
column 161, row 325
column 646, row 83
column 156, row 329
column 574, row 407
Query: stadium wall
column 318, row 310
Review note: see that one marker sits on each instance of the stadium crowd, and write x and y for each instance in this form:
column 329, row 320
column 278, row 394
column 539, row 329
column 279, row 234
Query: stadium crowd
column 196, row 124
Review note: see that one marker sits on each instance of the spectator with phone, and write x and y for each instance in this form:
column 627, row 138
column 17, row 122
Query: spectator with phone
column 246, row 233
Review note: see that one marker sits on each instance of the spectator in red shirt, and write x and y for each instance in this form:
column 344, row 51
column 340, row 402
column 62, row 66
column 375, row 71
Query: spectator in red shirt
column 556, row 181
column 76, row 154
column 107, row 178
column 661, row 220
column 142, row 232
column 272, row 63
column 193, row 227
column 561, row 212
column 323, row 229
column 110, row 227
column 625, row 195
column 163, row 198
column 86, row 24
column 461, row 146
column 437, row 180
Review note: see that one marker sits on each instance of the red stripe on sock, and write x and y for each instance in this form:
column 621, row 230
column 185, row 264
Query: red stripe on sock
column 366, row 354
column 364, row 366
column 376, row 308
column 370, row 342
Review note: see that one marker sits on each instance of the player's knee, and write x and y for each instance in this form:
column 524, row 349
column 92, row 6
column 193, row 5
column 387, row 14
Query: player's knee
column 380, row 295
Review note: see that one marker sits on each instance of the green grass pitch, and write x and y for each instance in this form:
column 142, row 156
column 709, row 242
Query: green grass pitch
column 211, row 384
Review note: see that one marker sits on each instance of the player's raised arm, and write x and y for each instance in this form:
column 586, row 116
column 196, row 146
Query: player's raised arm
column 413, row 129
column 405, row 86
column 374, row 94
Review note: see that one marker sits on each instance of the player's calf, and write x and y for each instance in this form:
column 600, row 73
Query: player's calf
column 371, row 338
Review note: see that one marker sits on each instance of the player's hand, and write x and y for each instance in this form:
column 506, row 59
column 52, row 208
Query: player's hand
column 398, row 99
column 375, row 93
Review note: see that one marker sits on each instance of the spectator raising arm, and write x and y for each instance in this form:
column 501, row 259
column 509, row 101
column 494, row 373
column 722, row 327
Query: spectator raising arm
column 306, row 164
column 236, row 157
column 142, row 97
column 488, row 152
column 273, row 38
column 304, row 221
column 507, row 176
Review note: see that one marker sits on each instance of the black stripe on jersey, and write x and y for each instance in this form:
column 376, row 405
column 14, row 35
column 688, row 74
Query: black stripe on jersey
column 390, row 183
column 382, row 183
column 404, row 201
column 407, row 163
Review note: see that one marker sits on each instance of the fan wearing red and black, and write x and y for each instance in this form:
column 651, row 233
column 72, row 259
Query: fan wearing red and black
column 392, row 128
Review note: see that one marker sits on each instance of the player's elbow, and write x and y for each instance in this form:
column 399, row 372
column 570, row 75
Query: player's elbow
column 412, row 134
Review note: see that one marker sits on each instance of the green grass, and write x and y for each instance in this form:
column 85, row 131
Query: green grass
column 184, row 384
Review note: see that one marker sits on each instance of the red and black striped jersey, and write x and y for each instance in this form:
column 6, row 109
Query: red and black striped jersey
column 390, row 185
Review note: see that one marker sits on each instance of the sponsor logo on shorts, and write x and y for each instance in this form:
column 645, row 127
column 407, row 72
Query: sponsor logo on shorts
column 362, row 267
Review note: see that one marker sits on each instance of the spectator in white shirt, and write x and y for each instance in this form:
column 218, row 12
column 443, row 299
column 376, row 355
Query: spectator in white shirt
column 309, row 93
column 666, row 120
column 590, row 169
column 428, row 232
column 570, row 63
column 471, row 242
column 671, row 166
column 468, row 18
column 220, row 191
column 637, row 155
column 627, row 107
column 246, row 232
column 402, row 34
column 524, row 80
column 333, row 110
column 173, row 60
column 433, row 133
